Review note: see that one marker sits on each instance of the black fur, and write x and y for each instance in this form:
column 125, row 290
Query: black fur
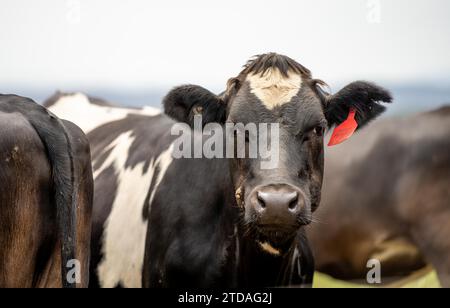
column 311, row 107
column 184, row 102
column 365, row 97
column 205, row 239
column 262, row 63
column 56, row 140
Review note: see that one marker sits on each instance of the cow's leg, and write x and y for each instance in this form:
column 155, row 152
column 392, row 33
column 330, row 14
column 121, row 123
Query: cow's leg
column 84, row 227
column 18, row 250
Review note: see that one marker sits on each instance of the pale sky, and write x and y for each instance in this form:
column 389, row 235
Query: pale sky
column 152, row 43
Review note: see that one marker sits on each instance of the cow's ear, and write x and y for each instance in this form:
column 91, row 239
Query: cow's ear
column 185, row 102
column 363, row 97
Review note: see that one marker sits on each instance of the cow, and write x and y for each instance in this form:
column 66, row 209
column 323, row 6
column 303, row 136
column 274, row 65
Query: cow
column 165, row 222
column 91, row 112
column 46, row 194
column 387, row 198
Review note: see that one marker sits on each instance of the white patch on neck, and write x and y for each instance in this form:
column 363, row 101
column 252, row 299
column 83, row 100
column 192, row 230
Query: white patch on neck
column 269, row 249
column 124, row 237
column 273, row 88
column 163, row 163
column 78, row 109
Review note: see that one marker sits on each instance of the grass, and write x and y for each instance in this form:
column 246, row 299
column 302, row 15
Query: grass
column 426, row 278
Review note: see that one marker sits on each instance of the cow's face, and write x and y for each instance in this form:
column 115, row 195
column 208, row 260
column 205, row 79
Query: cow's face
column 280, row 199
column 277, row 201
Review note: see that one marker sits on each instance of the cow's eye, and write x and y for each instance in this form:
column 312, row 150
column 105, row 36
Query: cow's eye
column 302, row 137
column 319, row 131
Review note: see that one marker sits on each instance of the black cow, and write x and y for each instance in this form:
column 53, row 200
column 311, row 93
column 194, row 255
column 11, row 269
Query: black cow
column 390, row 202
column 165, row 222
column 46, row 198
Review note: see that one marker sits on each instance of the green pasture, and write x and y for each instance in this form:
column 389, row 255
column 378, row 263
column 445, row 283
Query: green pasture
column 426, row 278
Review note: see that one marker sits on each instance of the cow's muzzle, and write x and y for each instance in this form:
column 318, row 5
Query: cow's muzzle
column 280, row 209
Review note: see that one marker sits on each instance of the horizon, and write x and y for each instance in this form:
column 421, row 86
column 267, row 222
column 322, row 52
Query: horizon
column 408, row 97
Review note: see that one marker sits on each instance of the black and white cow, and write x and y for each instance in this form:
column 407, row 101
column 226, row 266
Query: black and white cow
column 89, row 112
column 46, row 192
column 165, row 222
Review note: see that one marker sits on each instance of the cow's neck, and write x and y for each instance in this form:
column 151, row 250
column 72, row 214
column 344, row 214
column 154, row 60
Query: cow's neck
column 261, row 265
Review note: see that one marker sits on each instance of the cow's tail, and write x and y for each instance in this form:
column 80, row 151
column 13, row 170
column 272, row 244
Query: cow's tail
column 59, row 147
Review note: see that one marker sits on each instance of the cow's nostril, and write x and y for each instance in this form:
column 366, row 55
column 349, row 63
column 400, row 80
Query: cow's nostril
column 293, row 204
column 261, row 201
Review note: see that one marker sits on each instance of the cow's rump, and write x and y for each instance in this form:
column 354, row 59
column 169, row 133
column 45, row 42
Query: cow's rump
column 35, row 217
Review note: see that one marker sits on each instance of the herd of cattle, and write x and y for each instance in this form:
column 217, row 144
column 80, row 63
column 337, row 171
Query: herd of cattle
column 110, row 195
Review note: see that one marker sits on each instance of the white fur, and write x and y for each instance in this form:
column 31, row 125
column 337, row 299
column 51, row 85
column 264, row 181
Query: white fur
column 269, row 249
column 163, row 162
column 78, row 109
column 273, row 88
column 125, row 229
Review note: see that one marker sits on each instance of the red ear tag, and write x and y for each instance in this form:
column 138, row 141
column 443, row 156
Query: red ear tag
column 345, row 130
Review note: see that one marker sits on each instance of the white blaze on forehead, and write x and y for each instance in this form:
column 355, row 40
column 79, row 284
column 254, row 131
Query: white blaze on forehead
column 273, row 88
column 78, row 109
column 124, row 237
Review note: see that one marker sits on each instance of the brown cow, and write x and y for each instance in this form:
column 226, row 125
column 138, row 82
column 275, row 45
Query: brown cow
column 387, row 197
column 45, row 198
